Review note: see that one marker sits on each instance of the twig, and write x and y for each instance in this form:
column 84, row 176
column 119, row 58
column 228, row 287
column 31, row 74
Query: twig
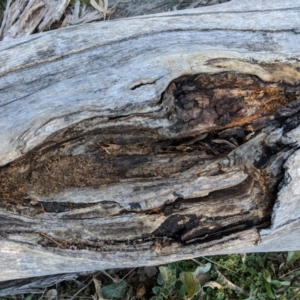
column 197, row 138
column 128, row 273
column 229, row 284
column 80, row 290
column 48, row 170
column 51, row 239
column 218, row 141
column 84, row 287
column 105, row 273
column 289, row 273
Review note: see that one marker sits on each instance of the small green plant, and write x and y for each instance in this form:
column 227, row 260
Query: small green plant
column 174, row 280
column 166, row 283
column 114, row 290
column 256, row 276
column 244, row 277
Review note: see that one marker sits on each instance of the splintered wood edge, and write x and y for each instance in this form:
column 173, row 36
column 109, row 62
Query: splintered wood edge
column 285, row 229
column 25, row 19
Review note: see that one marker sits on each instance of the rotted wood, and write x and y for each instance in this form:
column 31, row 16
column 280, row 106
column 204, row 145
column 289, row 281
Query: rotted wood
column 152, row 144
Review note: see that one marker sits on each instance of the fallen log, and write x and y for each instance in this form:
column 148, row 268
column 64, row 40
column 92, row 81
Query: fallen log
column 149, row 140
column 25, row 17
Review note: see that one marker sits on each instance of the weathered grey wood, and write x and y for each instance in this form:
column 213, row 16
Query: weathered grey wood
column 131, row 8
column 151, row 139
column 24, row 17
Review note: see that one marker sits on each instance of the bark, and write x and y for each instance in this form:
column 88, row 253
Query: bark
column 149, row 140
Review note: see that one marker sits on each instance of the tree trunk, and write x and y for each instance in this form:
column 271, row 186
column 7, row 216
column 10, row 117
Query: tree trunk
column 149, row 140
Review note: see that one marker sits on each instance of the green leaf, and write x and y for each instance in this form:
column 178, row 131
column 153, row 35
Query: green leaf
column 269, row 290
column 202, row 269
column 192, row 283
column 156, row 298
column 182, row 291
column 167, row 280
column 285, row 283
column 160, row 279
column 276, row 283
column 166, row 291
column 167, row 277
column 253, row 292
column 114, row 290
column 267, row 275
column 156, row 290
column 29, row 297
column 293, row 256
column 279, row 284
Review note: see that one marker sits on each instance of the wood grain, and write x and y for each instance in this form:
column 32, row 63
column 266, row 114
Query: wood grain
column 151, row 139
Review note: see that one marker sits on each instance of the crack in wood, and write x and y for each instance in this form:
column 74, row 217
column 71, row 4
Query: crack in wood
column 167, row 188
